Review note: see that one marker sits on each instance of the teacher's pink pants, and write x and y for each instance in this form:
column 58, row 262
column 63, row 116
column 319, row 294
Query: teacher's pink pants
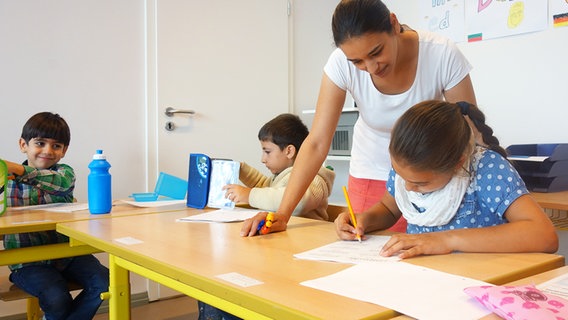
column 364, row 193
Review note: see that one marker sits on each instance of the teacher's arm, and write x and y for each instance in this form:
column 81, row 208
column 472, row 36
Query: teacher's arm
column 310, row 158
column 315, row 148
column 463, row 91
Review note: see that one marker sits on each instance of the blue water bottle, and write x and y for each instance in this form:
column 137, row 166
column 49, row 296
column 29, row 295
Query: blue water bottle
column 99, row 185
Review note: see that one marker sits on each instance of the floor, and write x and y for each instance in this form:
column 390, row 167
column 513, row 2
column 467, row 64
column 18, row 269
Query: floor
column 179, row 308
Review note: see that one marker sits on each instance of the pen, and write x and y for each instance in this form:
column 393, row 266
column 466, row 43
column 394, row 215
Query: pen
column 353, row 220
column 264, row 225
column 260, row 225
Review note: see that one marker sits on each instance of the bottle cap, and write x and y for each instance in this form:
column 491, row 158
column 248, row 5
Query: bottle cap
column 99, row 155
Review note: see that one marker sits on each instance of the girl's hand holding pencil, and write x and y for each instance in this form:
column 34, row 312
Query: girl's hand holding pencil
column 346, row 223
column 351, row 213
column 344, row 229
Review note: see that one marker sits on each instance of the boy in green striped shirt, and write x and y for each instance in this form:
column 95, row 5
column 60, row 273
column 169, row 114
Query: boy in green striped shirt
column 41, row 179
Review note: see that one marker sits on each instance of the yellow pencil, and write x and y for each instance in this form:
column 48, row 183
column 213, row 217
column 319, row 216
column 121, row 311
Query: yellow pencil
column 353, row 220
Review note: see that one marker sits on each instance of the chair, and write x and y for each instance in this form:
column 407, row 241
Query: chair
column 333, row 210
column 11, row 292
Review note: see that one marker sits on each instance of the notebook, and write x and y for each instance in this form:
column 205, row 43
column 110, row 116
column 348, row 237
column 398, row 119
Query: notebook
column 224, row 172
column 206, row 180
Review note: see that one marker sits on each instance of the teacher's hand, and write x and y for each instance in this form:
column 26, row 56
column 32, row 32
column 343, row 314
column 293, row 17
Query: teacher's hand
column 251, row 226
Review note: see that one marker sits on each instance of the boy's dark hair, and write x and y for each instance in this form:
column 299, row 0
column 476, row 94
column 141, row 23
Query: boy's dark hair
column 284, row 130
column 47, row 125
column 354, row 18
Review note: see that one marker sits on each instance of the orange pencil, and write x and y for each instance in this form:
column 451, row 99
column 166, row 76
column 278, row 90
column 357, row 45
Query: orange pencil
column 353, row 220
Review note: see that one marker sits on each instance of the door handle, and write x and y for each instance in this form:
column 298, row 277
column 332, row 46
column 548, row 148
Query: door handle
column 171, row 111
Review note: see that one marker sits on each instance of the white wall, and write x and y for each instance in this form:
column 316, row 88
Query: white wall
column 313, row 42
column 85, row 61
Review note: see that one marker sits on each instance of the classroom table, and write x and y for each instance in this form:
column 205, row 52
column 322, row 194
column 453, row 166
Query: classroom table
column 534, row 279
column 15, row 220
column 189, row 257
column 552, row 200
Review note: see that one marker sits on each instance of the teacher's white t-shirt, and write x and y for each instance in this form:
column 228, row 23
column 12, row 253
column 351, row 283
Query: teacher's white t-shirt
column 441, row 66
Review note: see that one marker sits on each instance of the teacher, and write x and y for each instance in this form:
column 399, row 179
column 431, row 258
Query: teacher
column 387, row 68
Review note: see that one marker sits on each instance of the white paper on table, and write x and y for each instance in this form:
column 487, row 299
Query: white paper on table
column 222, row 215
column 128, row 241
column 55, row 207
column 154, row 204
column 350, row 251
column 239, row 279
column 557, row 286
column 415, row 291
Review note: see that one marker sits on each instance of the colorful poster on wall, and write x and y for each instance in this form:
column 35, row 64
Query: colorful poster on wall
column 444, row 17
column 559, row 11
column 488, row 19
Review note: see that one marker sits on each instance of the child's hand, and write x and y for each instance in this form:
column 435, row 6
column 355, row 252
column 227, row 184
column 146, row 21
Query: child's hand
column 251, row 226
column 237, row 193
column 411, row 245
column 345, row 229
column 15, row 168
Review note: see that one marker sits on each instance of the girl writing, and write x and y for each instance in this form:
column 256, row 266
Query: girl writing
column 457, row 191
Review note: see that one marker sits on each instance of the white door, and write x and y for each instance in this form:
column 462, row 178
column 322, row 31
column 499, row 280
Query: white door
column 227, row 61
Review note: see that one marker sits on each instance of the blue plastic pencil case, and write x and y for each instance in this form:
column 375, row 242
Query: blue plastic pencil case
column 199, row 175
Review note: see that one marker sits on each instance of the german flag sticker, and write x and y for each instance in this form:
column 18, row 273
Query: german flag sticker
column 560, row 20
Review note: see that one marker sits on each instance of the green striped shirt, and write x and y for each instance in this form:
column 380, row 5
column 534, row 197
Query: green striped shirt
column 34, row 187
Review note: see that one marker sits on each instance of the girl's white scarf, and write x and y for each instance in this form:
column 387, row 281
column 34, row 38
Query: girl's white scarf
column 439, row 207
column 431, row 209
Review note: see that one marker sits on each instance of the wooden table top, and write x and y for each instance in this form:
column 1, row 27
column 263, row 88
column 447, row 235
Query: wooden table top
column 15, row 220
column 196, row 253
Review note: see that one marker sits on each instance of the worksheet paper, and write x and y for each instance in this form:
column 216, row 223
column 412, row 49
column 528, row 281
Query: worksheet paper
column 415, row 291
column 557, row 286
column 55, row 207
column 222, row 215
column 350, row 251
